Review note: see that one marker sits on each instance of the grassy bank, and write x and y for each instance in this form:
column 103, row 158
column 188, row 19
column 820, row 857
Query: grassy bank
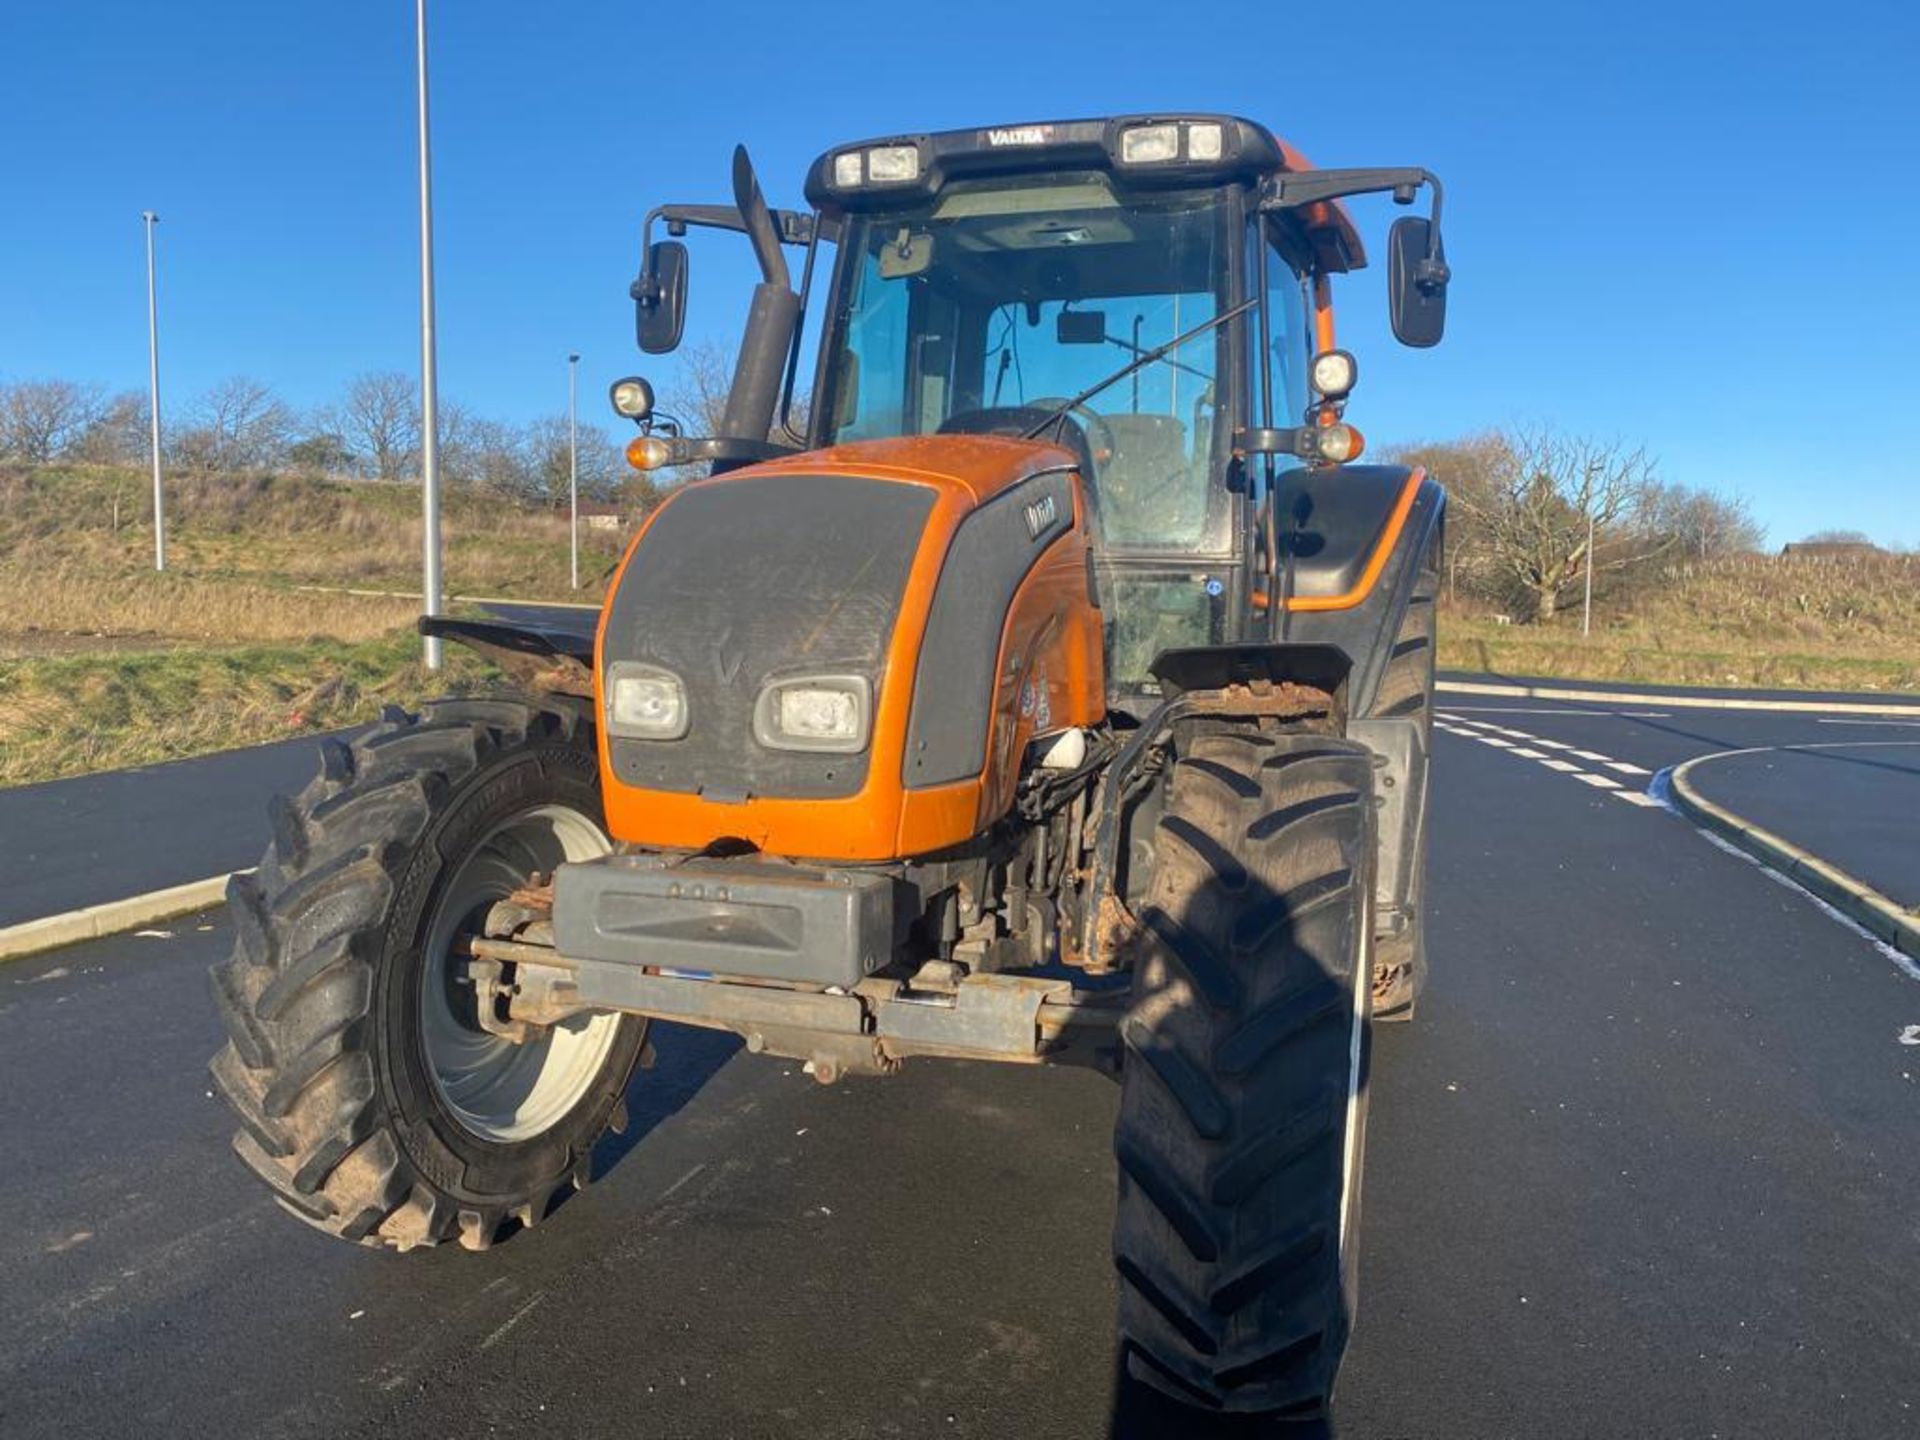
column 1768, row 622
column 105, row 663
column 70, row 714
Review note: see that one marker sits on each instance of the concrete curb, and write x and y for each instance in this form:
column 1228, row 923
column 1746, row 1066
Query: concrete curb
column 50, row 932
column 1681, row 702
column 1879, row 914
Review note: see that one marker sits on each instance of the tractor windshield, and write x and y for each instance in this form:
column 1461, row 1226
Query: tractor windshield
column 1014, row 295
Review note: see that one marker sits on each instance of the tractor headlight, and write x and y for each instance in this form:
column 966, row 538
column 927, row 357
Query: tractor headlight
column 1333, row 374
column 815, row 712
column 846, row 169
column 645, row 702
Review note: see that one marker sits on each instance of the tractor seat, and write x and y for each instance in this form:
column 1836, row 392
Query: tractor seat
column 1148, row 492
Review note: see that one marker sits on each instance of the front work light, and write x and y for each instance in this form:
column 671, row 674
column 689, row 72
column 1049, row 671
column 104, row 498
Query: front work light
column 1333, row 374
column 815, row 712
column 893, row 164
column 1204, row 142
column 632, row 397
column 645, row 702
column 1149, row 144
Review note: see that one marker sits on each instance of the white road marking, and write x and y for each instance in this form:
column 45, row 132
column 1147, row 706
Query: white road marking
column 1901, row 724
column 1544, row 710
column 1503, row 738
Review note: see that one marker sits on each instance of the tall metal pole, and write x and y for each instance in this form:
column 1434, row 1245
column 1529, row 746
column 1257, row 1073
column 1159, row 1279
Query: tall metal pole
column 573, row 468
column 1586, row 613
column 430, row 599
column 153, row 401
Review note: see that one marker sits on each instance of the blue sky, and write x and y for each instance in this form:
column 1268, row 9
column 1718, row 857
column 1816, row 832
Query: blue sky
column 1685, row 224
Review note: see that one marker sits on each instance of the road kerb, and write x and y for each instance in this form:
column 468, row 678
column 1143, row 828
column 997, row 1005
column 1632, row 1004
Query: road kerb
column 1880, row 915
column 1682, row 702
column 51, row 932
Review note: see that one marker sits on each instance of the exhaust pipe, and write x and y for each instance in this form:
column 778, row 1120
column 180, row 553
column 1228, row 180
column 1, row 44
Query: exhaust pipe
column 771, row 320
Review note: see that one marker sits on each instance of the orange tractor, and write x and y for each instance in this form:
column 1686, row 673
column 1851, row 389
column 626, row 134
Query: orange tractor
column 1050, row 686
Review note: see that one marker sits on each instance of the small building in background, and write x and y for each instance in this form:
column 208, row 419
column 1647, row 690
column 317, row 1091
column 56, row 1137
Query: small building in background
column 598, row 515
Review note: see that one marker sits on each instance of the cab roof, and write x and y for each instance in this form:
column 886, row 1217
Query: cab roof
column 1248, row 153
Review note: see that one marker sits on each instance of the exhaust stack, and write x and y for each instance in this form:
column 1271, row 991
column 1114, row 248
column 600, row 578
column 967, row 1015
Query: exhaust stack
column 771, row 320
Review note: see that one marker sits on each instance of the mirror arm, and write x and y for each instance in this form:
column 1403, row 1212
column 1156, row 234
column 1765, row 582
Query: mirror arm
column 1293, row 191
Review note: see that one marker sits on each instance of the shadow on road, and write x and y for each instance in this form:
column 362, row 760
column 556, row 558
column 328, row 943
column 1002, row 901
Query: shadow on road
column 685, row 1058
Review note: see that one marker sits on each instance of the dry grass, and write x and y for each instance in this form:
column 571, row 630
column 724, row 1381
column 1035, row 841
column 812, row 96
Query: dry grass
column 1763, row 621
column 72, row 714
column 285, row 530
column 48, row 607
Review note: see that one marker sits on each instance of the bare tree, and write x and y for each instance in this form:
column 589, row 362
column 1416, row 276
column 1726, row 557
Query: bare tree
column 698, row 399
column 237, row 425
column 1701, row 524
column 545, row 448
column 379, row 417
column 493, row 455
column 40, row 419
column 1550, row 494
column 118, row 435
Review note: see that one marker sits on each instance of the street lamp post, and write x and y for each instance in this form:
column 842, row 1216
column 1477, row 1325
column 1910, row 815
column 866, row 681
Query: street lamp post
column 430, row 600
column 153, row 401
column 573, row 468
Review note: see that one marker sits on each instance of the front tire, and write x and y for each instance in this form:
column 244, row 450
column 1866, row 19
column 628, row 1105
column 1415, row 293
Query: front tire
column 370, row 1099
column 1243, row 1108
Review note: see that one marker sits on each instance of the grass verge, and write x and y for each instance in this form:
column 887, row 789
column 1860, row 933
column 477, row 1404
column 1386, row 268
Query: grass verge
column 71, row 714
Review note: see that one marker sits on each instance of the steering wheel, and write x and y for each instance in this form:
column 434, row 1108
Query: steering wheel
column 1100, row 441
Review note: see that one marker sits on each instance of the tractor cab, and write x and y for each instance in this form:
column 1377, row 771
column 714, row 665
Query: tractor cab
column 1153, row 292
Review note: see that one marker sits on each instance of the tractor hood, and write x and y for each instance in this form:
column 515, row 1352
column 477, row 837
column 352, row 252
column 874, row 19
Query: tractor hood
column 867, row 587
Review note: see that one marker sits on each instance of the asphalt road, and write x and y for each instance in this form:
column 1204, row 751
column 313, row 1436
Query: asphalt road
column 1642, row 1166
column 1854, row 802
column 94, row 838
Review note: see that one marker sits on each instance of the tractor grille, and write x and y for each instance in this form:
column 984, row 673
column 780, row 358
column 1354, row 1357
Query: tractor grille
column 739, row 580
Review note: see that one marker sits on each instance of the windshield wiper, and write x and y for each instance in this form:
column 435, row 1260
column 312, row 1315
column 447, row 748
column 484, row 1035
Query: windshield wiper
column 1144, row 358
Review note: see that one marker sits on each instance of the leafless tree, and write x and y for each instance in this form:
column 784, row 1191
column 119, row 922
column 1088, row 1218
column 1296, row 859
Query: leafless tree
column 545, row 448
column 40, row 419
column 118, row 435
column 1701, row 524
column 1471, row 469
column 1536, row 513
column 237, row 425
column 379, row 417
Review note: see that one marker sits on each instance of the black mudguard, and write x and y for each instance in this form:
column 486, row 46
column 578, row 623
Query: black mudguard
column 1333, row 522
column 549, row 656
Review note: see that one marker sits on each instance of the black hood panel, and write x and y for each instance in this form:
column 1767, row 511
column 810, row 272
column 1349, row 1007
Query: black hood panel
column 739, row 581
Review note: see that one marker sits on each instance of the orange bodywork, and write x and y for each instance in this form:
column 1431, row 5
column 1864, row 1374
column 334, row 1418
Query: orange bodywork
column 1050, row 675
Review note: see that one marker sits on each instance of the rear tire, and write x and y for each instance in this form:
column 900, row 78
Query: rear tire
column 1243, row 1107
column 369, row 1100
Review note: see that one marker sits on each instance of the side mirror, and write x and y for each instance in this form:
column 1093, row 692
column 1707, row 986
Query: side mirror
column 1416, row 284
column 660, row 297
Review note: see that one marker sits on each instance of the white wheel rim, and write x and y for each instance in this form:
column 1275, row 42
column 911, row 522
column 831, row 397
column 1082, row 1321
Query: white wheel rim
column 496, row 1089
